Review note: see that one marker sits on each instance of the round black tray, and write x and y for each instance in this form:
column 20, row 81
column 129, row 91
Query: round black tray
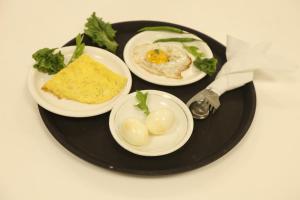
column 90, row 138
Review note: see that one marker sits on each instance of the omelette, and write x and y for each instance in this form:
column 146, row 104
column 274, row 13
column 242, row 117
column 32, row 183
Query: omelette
column 87, row 81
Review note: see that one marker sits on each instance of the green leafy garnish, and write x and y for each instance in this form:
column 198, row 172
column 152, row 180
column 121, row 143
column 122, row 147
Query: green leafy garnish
column 176, row 40
column 101, row 33
column 194, row 51
column 161, row 28
column 142, row 99
column 79, row 48
column 207, row 65
column 47, row 61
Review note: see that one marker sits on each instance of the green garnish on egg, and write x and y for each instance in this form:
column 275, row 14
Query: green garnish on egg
column 175, row 39
column 142, row 99
column 207, row 65
column 162, row 28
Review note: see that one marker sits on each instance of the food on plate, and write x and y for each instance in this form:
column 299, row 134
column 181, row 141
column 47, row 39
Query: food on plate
column 207, row 65
column 134, row 132
column 142, row 99
column 194, row 51
column 179, row 39
column 162, row 59
column 101, row 33
column 159, row 121
column 162, row 28
column 87, row 81
column 79, row 48
column 47, row 61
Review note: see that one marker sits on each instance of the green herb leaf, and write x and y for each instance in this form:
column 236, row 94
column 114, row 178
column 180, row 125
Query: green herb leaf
column 101, row 33
column 142, row 99
column 207, row 65
column 161, row 28
column 194, row 51
column 176, row 40
column 47, row 61
column 79, row 48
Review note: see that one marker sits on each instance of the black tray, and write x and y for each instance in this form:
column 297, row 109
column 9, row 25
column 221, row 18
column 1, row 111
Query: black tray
column 90, row 138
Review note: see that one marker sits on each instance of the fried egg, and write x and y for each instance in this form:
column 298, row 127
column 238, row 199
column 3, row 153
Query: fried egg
column 162, row 59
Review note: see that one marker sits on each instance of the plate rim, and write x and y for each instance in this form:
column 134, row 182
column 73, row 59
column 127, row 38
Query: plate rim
column 179, row 102
column 78, row 114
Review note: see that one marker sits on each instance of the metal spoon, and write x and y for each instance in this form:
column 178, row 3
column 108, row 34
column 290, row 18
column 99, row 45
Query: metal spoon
column 199, row 109
column 203, row 103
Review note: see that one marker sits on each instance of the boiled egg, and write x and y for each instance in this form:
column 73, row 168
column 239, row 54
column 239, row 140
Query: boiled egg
column 159, row 121
column 134, row 132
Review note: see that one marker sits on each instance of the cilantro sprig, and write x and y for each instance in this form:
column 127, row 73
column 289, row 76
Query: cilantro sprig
column 142, row 101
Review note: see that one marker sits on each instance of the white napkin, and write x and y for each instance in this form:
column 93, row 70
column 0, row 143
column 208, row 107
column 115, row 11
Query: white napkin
column 242, row 61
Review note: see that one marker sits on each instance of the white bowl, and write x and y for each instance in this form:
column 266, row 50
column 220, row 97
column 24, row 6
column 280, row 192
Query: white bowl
column 172, row 140
column 72, row 108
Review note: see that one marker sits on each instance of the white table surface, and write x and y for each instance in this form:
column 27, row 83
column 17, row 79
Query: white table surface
column 264, row 165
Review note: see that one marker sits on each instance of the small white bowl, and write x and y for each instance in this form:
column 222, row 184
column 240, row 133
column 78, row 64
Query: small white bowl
column 172, row 140
column 72, row 108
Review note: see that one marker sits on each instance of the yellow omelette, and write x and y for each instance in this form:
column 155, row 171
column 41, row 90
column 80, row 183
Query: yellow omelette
column 87, row 81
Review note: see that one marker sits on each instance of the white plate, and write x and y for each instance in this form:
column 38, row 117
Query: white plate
column 191, row 75
column 72, row 108
column 172, row 140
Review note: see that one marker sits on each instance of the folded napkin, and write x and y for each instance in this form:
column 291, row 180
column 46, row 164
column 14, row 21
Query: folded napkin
column 242, row 61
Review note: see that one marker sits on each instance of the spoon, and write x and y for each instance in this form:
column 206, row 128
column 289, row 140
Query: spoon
column 199, row 109
column 203, row 103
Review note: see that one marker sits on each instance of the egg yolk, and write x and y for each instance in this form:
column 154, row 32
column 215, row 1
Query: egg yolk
column 157, row 56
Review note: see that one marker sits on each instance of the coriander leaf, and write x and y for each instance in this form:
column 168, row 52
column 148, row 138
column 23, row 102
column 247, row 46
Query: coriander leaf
column 194, row 51
column 161, row 28
column 101, row 33
column 142, row 99
column 47, row 61
column 79, row 48
column 176, row 40
column 207, row 65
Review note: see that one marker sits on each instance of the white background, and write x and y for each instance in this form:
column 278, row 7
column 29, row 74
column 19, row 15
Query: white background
column 264, row 165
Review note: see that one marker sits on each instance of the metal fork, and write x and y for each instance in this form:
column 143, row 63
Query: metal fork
column 204, row 103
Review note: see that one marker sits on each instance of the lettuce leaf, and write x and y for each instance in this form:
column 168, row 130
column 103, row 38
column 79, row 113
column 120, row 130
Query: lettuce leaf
column 101, row 33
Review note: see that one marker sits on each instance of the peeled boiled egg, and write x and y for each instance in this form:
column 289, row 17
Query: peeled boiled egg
column 159, row 121
column 134, row 132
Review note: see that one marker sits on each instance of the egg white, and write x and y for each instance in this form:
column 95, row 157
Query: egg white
column 178, row 59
